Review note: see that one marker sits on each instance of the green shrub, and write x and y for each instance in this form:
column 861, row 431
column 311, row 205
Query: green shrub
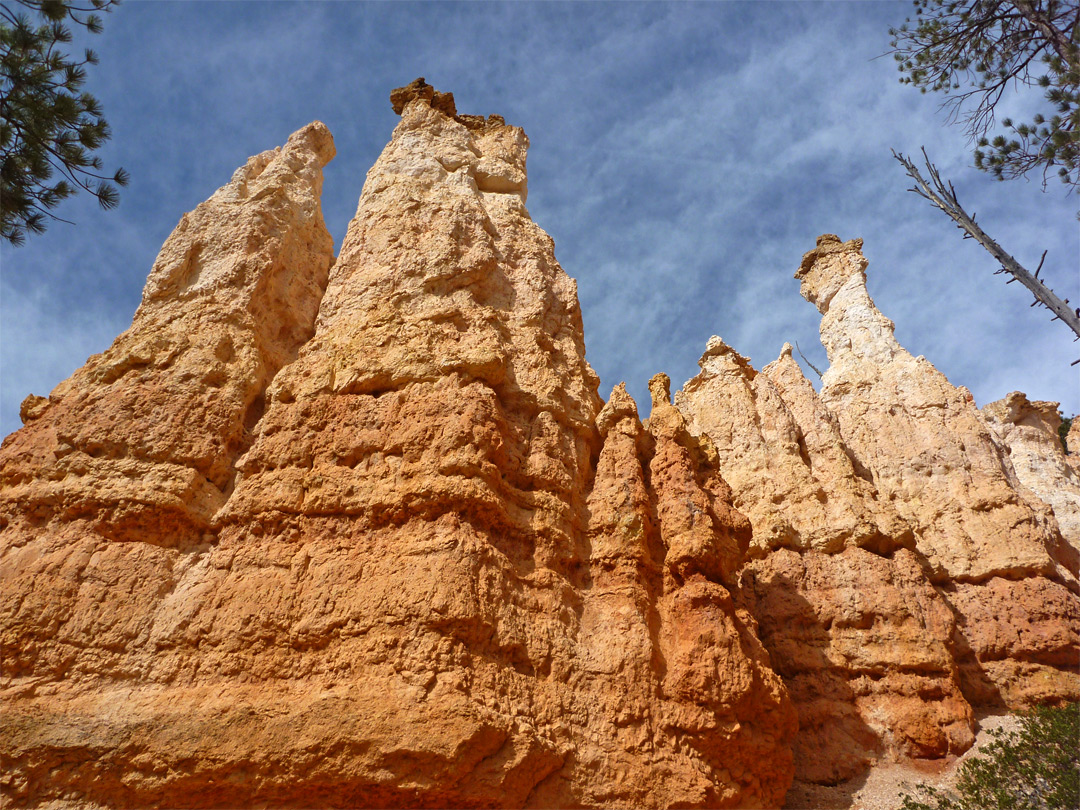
column 1034, row 768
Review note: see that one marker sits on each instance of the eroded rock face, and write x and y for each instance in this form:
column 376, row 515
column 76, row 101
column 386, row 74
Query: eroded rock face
column 142, row 439
column 935, row 457
column 923, row 440
column 442, row 576
column 1029, row 431
column 864, row 645
column 360, row 532
column 110, row 490
column 798, row 487
column 847, row 614
column 664, row 548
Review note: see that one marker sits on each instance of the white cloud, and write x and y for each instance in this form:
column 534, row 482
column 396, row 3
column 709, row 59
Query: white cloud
column 684, row 157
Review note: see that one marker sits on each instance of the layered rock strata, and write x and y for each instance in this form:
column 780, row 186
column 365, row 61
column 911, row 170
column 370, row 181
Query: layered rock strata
column 359, row 531
column 412, row 581
column 850, row 620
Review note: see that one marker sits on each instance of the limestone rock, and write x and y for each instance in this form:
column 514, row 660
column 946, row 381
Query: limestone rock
column 360, row 532
column 718, row 695
column 142, row 439
column 444, row 576
column 922, row 440
column 109, row 492
column 1029, row 431
column 798, row 487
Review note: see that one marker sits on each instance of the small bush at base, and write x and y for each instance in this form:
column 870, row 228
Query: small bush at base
column 1034, row 768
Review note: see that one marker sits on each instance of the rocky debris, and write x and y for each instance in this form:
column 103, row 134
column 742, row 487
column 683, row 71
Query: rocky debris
column 320, row 532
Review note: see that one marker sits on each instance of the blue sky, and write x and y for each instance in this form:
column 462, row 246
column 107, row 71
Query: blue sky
column 684, row 156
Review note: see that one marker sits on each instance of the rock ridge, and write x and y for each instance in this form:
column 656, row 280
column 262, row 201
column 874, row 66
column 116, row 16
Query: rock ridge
column 323, row 531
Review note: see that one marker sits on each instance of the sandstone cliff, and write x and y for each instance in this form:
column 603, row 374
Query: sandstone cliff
column 418, row 586
column 360, row 531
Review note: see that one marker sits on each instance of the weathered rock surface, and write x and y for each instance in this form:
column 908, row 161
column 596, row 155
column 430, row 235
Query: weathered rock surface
column 1029, row 431
column 109, row 491
column 799, row 488
column 421, row 588
column 360, row 532
column 142, row 439
column 864, row 645
column 983, row 540
column 923, row 441
column 850, row 620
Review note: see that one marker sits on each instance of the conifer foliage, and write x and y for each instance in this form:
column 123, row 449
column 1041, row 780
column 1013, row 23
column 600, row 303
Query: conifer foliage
column 973, row 51
column 49, row 127
column 1034, row 768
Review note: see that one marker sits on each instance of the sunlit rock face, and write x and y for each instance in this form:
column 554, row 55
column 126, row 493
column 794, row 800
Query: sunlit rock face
column 983, row 540
column 110, row 490
column 923, row 441
column 1029, row 433
column 417, row 564
column 142, row 439
column 849, row 617
column 359, row 531
column 1072, row 442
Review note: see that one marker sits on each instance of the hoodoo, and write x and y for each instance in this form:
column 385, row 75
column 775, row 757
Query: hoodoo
column 359, row 531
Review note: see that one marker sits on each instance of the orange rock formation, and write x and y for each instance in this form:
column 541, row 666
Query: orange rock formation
column 360, row 531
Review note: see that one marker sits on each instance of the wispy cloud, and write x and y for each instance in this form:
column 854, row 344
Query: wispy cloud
column 684, row 156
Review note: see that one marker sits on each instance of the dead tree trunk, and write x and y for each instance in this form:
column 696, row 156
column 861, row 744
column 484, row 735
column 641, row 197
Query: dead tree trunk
column 944, row 197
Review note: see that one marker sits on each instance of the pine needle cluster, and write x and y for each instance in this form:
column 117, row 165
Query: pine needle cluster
column 973, row 51
column 1034, row 768
column 49, row 126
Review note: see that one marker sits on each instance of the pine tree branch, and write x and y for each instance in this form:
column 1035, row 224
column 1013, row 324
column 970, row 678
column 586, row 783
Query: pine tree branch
column 1055, row 36
column 944, row 197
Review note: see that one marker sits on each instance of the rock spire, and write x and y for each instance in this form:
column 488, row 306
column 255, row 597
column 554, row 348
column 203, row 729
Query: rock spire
column 323, row 531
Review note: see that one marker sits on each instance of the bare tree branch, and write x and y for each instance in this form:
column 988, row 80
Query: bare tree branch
column 803, row 356
column 943, row 196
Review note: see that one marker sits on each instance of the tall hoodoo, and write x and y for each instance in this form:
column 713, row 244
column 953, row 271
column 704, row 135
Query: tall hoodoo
column 922, row 439
column 144, row 436
column 410, row 582
column 933, row 455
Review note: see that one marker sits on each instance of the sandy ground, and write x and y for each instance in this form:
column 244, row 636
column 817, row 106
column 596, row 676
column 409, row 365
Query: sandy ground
column 882, row 787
